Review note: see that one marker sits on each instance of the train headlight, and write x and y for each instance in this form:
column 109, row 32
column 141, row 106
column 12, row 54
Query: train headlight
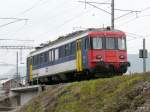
column 99, row 57
column 122, row 57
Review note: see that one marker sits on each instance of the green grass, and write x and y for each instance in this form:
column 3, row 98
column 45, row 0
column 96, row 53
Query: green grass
column 117, row 94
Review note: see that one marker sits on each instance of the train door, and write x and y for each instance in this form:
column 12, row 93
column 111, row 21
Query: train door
column 79, row 55
column 29, row 69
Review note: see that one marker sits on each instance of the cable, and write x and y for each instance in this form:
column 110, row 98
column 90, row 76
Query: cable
column 33, row 6
column 14, row 18
column 147, row 8
column 54, row 9
column 65, row 22
column 19, row 40
column 9, row 23
column 29, row 9
column 123, row 15
column 133, row 34
column 96, row 7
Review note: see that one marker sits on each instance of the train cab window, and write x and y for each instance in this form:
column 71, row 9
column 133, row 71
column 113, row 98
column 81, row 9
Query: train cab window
column 110, row 43
column 56, row 54
column 97, row 43
column 121, row 43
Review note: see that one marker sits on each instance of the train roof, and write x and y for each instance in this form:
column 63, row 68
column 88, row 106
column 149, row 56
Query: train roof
column 71, row 35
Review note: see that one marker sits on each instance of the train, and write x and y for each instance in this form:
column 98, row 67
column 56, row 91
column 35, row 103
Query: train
column 79, row 55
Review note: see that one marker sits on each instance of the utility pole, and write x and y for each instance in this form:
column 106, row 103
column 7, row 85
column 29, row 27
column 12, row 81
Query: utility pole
column 144, row 56
column 112, row 10
column 112, row 14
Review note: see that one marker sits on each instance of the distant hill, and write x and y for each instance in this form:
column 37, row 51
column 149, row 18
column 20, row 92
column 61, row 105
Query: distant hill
column 137, row 63
column 12, row 72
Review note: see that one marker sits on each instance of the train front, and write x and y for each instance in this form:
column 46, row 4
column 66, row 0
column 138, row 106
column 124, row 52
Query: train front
column 108, row 53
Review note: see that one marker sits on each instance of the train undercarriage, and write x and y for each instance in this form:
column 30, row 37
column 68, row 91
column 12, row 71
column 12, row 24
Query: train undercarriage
column 79, row 76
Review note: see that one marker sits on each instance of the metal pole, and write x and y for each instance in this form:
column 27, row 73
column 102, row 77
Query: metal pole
column 144, row 57
column 85, row 4
column 17, row 75
column 112, row 14
column 37, row 80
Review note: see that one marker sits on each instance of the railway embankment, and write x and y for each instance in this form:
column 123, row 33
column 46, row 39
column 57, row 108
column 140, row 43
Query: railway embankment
column 116, row 94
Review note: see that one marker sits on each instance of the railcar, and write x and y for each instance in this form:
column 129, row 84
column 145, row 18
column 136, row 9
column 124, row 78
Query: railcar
column 79, row 55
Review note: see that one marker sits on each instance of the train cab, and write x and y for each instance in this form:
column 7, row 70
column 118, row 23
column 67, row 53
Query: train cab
column 108, row 52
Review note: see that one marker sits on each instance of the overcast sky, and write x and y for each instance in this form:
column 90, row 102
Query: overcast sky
column 49, row 19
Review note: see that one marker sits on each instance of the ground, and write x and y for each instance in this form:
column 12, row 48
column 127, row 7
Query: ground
column 116, row 94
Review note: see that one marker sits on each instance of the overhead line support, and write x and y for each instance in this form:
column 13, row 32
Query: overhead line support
column 112, row 14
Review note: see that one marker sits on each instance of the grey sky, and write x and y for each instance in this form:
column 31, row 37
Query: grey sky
column 49, row 19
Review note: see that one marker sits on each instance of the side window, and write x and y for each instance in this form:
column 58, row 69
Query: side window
column 67, row 49
column 73, row 48
column 41, row 58
column 45, row 57
column 61, row 51
column 38, row 59
column 33, row 60
column 86, row 43
column 56, row 54
column 50, row 56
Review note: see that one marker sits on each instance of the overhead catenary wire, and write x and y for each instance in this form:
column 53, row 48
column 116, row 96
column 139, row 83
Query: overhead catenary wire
column 139, row 16
column 6, row 24
column 60, row 4
column 30, row 8
column 12, row 18
column 135, row 36
column 131, row 11
column 17, row 40
column 89, row 3
column 65, row 22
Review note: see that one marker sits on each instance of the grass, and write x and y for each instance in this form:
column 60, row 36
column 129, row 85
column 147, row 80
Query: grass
column 117, row 94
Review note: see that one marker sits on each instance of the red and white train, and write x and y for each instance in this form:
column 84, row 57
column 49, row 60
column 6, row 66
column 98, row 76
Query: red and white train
column 81, row 53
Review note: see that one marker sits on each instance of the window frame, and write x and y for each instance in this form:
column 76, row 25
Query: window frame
column 125, row 45
column 115, row 44
column 56, row 52
column 92, row 42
